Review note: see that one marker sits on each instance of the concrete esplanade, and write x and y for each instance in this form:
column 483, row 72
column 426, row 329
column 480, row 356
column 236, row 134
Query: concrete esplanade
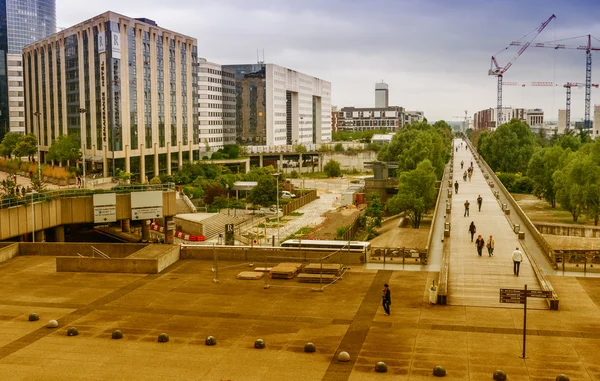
column 476, row 280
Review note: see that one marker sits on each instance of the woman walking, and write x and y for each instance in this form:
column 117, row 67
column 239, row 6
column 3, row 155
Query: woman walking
column 490, row 246
column 479, row 242
column 472, row 230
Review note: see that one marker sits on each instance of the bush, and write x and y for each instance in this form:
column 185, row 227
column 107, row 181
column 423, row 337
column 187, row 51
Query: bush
column 332, row 168
column 516, row 182
column 216, row 156
column 294, row 174
column 155, row 180
column 339, row 147
column 339, row 233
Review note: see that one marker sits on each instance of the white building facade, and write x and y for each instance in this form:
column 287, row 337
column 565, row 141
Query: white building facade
column 216, row 107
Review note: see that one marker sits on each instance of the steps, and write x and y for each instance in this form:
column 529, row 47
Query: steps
column 215, row 224
column 182, row 207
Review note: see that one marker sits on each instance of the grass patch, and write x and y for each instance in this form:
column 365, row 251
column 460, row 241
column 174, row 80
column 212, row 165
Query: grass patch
column 300, row 233
column 296, row 214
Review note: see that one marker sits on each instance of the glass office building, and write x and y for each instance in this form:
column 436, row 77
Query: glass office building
column 125, row 86
column 22, row 22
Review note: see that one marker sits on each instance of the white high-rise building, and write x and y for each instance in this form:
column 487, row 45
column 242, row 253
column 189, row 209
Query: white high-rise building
column 596, row 126
column 562, row 121
column 277, row 106
column 382, row 98
column 216, row 107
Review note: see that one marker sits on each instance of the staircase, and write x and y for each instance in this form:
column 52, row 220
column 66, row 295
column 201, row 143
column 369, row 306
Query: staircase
column 182, row 207
column 215, row 224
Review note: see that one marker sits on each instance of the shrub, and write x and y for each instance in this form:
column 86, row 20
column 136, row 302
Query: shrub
column 216, row 156
column 332, row 168
column 516, row 182
column 155, row 180
column 294, row 174
column 339, row 147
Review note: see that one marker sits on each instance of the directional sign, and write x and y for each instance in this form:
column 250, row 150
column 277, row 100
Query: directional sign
column 105, row 208
column 512, row 295
column 146, row 205
column 539, row 294
column 146, row 213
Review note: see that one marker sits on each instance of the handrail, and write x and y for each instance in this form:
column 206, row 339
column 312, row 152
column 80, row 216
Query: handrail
column 435, row 211
column 9, row 202
column 189, row 203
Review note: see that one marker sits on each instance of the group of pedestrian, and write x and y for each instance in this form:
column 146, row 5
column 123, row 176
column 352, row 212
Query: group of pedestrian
column 468, row 204
column 480, row 242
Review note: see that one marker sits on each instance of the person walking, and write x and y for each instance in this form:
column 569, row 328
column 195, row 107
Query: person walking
column 470, row 174
column 467, row 204
column 479, row 242
column 472, row 230
column 479, row 201
column 456, row 186
column 490, row 246
column 462, row 163
column 386, row 299
column 517, row 258
column 465, row 176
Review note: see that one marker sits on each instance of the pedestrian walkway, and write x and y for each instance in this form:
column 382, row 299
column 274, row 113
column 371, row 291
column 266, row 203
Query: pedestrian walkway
column 475, row 280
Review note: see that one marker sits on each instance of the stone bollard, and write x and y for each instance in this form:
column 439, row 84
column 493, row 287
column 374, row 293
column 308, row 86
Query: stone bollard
column 380, row 367
column 562, row 377
column 499, row 375
column 344, row 357
column 439, row 371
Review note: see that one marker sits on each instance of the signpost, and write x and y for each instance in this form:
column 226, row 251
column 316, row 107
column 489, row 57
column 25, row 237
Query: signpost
column 514, row 295
column 229, row 235
column 146, row 205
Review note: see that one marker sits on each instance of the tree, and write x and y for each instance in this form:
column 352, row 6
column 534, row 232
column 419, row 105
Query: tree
column 299, row 148
column 65, row 148
column 27, row 146
column 339, row 147
column 569, row 181
column 509, row 148
column 541, row 168
column 373, row 212
column 416, row 193
column 155, row 180
column 9, row 143
column 332, row 168
column 265, row 192
column 37, row 183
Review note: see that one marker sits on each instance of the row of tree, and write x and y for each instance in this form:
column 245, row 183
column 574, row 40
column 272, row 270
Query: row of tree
column 66, row 148
column 421, row 151
column 563, row 170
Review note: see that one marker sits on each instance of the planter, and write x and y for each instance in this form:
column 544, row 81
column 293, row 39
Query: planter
column 62, row 182
column 54, row 180
column 45, row 178
column 72, row 181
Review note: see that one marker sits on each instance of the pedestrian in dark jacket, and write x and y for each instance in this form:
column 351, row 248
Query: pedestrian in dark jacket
column 456, row 186
column 479, row 243
column 386, row 299
column 472, row 230
column 467, row 204
column 479, row 202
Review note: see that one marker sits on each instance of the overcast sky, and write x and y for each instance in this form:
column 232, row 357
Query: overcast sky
column 434, row 54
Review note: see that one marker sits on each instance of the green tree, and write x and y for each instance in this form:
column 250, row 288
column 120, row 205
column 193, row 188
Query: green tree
column 299, row 148
column 155, row 180
column 509, row 148
column 9, row 143
column 123, row 177
column 265, row 193
column 570, row 183
column 339, row 147
column 37, row 183
column 416, row 193
column 332, row 168
column 374, row 212
column 65, row 148
column 27, row 146
column 541, row 168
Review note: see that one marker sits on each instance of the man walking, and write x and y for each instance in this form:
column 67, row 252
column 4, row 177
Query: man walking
column 462, row 163
column 490, row 246
column 479, row 201
column 467, row 204
column 386, row 299
column 517, row 258
column 456, row 186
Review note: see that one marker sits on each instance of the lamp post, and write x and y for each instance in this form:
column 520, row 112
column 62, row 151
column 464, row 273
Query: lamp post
column 82, row 111
column 277, row 174
column 39, row 158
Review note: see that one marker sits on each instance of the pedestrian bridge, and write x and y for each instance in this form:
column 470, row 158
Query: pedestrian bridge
column 465, row 277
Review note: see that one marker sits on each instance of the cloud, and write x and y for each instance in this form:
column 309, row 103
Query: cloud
column 434, row 54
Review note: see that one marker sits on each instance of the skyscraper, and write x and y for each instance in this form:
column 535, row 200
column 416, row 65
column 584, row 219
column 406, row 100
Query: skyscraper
column 22, row 22
column 381, row 95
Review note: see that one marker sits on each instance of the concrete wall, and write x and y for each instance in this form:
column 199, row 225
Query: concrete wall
column 171, row 255
column 18, row 220
column 102, row 265
column 568, row 230
column 9, row 252
column 349, row 162
column 190, row 227
column 258, row 254
column 113, row 250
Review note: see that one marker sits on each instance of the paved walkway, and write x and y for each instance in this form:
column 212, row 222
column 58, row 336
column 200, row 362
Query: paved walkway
column 476, row 280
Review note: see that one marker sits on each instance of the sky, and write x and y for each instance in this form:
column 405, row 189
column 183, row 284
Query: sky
column 433, row 54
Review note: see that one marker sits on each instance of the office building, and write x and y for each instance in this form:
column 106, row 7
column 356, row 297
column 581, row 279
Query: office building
column 596, row 122
column 21, row 23
column 413, row 116
column 277, row 106
column 126, row 86
column 371, row 118
column 382, row 96
column 216, row 107
column 334, row 118
column 487, row 119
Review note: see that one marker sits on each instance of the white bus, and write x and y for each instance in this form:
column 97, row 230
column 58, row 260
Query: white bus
column 328, row 244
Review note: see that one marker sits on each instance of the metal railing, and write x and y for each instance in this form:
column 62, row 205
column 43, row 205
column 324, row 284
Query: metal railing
column 398, row 255
column 28, row 198
column 189, row 203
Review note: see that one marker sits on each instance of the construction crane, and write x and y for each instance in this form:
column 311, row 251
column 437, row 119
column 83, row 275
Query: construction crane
column 588, row 67
column 567, row 86
column 499, row 71
column 466, row 118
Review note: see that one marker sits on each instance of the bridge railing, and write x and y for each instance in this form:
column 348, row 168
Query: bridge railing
column 12, row 201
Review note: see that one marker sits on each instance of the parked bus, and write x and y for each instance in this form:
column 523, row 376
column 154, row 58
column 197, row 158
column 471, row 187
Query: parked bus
column 328, row 244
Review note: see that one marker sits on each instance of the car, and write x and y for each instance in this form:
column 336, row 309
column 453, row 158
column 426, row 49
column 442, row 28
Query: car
column 287, row 194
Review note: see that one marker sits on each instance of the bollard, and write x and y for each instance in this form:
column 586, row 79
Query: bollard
column 521, row 235
column 517, row 228
column 449, row 193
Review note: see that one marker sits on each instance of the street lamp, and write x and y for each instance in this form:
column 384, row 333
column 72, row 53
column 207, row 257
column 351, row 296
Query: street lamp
column 39, row 157
column 82, row 111
column 277, row 174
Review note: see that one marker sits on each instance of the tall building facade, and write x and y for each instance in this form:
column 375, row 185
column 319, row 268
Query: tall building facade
column 488, row 118
column 371, row 118
column 125, row 86
column 382, row 95
column 216, row 107
column 22, row 22
column 277, row 106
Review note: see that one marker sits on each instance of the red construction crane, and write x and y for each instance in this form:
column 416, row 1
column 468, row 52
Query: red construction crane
column 588, row 67
column 499, row 71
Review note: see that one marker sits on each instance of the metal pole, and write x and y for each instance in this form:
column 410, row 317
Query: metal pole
column 277, row 188
column 83, row 143
column 32, row 218
column 525, row 323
